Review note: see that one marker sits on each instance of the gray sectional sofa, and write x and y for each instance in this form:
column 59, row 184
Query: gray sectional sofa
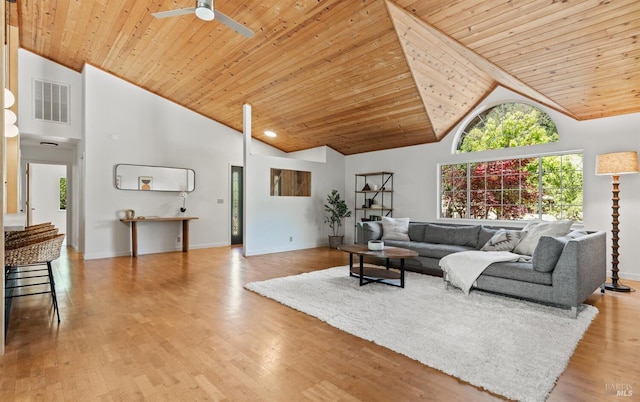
column 562, row 272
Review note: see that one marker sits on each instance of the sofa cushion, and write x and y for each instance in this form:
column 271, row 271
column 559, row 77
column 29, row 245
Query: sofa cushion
column 455, row 235
column 428, row 249
column 574, row 234
column 534, row 230
column 416, row 231
column 485, row 234
column 371, row 231
column 503, row 240
column 519, row 271
column 395, row 228
column 547, row 252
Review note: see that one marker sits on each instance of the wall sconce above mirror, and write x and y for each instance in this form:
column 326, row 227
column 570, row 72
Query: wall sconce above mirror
column 153, row 178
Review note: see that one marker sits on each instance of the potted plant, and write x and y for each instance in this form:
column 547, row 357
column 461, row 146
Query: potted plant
column 336, row 209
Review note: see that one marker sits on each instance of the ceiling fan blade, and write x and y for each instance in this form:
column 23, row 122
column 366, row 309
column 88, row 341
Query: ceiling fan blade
column 236, row 26
column 173, row 13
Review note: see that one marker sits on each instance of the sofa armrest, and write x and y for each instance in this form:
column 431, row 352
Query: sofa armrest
column 369, row 231
column 581, row 268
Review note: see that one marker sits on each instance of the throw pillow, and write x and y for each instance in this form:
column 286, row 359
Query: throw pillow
column 395, row 228
column 547, row 253
column 456, row 235
column 503, row 240
column 535, row 230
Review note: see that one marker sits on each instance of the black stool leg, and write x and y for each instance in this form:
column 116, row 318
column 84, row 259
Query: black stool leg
column 52, row 284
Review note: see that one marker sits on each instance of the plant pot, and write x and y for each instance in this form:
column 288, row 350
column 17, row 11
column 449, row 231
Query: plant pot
column 335, row 241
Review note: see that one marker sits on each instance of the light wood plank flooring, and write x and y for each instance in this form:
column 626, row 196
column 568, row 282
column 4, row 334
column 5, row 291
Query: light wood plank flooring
column 180, row 327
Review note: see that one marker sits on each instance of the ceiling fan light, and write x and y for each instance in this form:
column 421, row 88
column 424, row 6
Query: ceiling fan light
column 11, row 131
column 204, row 10
column 9, row 117
column 9, row 99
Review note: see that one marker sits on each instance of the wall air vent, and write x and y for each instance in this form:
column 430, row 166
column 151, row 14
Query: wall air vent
column 51, row 101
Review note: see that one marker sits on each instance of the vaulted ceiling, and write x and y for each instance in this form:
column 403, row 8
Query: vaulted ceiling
column 356, row 75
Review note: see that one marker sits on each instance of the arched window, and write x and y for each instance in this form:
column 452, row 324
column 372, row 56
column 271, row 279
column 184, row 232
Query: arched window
column 547, row 187
column 507, row 125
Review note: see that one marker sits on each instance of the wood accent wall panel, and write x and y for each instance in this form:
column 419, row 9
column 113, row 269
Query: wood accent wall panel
column 577, row 54
column 449, row 83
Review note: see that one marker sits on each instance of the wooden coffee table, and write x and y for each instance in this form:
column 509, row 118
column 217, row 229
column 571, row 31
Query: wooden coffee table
column 370, row 274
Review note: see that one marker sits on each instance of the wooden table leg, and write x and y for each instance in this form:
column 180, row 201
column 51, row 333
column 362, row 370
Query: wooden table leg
column 134, row 238
column 185, row 235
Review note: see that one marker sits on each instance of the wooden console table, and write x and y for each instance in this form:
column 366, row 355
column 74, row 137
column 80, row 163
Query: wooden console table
column 134, row 230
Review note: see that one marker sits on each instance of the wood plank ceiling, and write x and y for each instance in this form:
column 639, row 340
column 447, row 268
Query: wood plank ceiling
column 356, row 76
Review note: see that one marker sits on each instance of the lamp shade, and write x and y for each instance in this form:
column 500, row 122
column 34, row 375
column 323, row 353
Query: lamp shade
column 9, row 117
column 9, row 99
column 11, row 131
column 617, row 163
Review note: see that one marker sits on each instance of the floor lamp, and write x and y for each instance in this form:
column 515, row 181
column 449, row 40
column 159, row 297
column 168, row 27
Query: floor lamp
column 615, row 164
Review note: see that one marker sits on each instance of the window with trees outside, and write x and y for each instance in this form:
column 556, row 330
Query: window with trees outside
column 547, row 187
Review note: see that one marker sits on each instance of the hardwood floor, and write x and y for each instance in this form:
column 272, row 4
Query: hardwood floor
column 180, row 326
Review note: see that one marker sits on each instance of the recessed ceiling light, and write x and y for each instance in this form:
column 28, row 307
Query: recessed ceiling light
column 270, row 133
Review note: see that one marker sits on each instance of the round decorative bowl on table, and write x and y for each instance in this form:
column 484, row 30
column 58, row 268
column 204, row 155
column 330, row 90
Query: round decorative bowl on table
column 375, row 245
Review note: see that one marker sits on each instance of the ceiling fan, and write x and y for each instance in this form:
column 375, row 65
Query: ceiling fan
column 204, row 10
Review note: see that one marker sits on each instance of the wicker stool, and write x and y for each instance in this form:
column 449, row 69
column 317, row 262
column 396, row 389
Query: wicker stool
column 29, row 253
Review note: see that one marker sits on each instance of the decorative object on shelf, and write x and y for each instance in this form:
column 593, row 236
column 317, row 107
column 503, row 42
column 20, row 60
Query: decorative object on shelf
column 129, row 213
column 368, row 202
column 183, row 196
column 366, row 187
column 336, row 209
column 375, row 245
column 375, row 187
column 615, row 164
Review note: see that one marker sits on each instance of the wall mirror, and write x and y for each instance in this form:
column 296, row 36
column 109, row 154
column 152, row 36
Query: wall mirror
column 285, row 182
column 153, row 178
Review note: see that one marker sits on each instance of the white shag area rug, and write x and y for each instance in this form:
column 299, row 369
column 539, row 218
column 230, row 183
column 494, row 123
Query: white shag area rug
column 509, row 347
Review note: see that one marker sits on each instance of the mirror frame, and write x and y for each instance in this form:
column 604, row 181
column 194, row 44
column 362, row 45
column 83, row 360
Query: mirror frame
column 117, row 178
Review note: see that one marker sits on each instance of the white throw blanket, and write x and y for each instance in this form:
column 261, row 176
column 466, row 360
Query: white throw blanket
column 463, row 268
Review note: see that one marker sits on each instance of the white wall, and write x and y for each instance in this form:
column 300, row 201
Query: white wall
column 126, row 124
column 33, row 67
column 416, row 181
column 289, row 223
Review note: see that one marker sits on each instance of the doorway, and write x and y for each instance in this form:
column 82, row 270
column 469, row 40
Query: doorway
column 47, row 195
column 236, row 205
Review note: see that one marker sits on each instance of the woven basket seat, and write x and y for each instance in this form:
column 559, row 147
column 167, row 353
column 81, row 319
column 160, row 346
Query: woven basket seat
column 34, row 250
column 28, row 237
column 28, row 229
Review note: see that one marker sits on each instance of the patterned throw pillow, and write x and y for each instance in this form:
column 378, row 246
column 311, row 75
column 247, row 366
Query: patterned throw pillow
column 503, row 240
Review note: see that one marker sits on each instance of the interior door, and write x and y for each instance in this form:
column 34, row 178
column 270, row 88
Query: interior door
column 46, row 195
column 236, row 205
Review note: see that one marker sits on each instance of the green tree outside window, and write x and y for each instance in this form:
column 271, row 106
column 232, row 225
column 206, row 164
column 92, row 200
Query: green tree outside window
column 63, row 193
